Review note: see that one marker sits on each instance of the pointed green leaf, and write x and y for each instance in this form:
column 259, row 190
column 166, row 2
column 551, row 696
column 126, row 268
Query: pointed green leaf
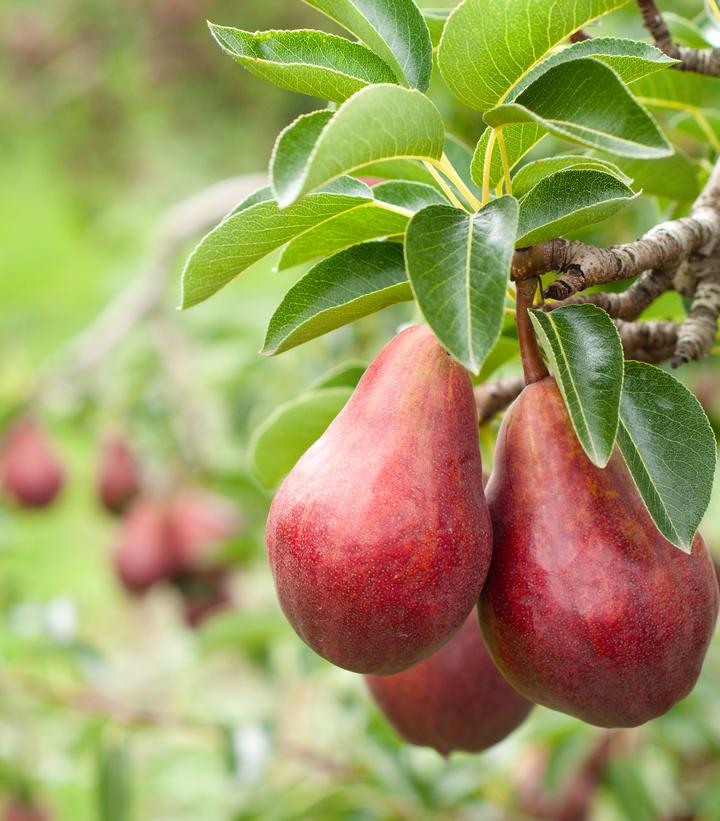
column 309, row 62
column 374, row 220
column 458, row 265
column 386, row 216
column 629, row 59
column 244, row 238
column 703, row 130
column 435, row 20
column 678, row 90
column 394, row 123
column 489, row 47
column 261, row 195
column 586, row 102
column 345, row 375
column 410, row 195
column 113, row 783
column 293, row 146
column 410, row 170
column 685, row 32
column 531, row 174
column 290, row 430
column 674, row 177
column 586, row 357
column 569, row 200
column 669, row 448
column 337, row 291
column 394, row 29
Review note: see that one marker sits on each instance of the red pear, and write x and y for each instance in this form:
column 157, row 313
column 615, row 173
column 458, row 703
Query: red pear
column 32, row 473
column 143, row 556
column 587, row 609
column 379, row 539
column 199, row 523
column 18, row 810
column 454, row 700
column 118, row 478
column 204, row 594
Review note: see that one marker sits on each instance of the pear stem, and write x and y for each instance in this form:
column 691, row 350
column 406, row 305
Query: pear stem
column 533, row 366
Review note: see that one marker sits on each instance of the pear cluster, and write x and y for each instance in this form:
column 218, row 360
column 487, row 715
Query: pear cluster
column 179, row 540
column 382, row 543
column 175, row 538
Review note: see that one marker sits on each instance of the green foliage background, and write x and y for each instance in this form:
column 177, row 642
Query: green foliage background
column 117, row 110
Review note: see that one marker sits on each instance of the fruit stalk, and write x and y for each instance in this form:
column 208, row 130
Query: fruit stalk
column 533, row 366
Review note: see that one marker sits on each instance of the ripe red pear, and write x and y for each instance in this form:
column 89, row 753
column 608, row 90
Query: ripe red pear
column 143, row 556
column 118, row 477
column 32, row 473
column 18, row 810
column 379, row 539
column 454, row 700
column 204, row 594
column 587, row 608
column 199, row 523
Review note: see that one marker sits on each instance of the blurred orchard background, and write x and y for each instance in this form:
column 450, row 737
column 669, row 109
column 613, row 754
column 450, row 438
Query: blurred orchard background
column 111, row 706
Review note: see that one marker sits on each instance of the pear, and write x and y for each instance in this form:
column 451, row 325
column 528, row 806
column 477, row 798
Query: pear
column 454, row 700
column 118, row 477
column 19, row 809
column 587, row 608
column 31, row 471
column 143, row 555
column 199, row 524
column 379, row 539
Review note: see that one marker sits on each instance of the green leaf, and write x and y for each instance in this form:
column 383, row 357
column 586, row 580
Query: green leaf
column 345, row 375
column 703, row 131
column 458, row 265
column 628, row 58
column 387, row 216
column 113, row 783
column 587, row 103
column 684, row 32
column 394, row 29
column 342, row 185
column 309, row 62
column 678, row 90
column 394, row 123
column 489, row 47
column 584, row 349
column 669, row 448
column 410, row 195
column 505, row 350
column 569, row 200
column 261, row 195
column 461, row 158
column 410, row 170
column 674, row 177
column 290, row 430
column 244, row 238
column 337, row 291
column 531, row 174
column 373, row 220
column 293, row 146
column 435, row 20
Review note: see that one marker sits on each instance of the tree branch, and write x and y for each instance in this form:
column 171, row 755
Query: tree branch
column 493, row 397
column 699, row 280
column 665, row 246
column 182, row 222
column 699, row 60
column 627, row 304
